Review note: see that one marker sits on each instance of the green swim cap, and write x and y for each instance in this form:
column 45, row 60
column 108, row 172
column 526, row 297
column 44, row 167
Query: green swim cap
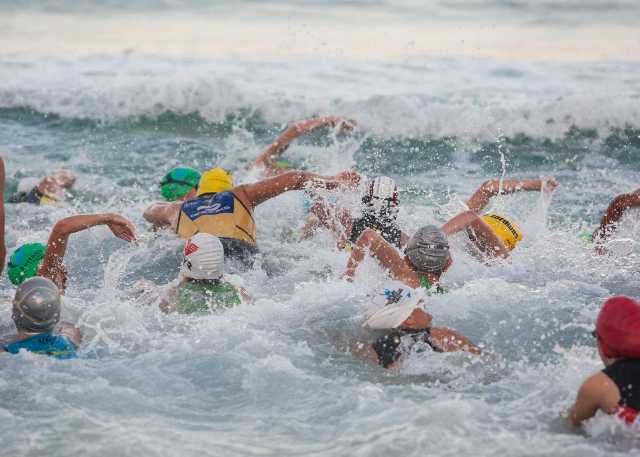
column 179, row 182
column 283, row 164
column 25, row 261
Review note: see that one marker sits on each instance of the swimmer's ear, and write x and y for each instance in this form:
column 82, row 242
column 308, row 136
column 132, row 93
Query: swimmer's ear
column 449, row 263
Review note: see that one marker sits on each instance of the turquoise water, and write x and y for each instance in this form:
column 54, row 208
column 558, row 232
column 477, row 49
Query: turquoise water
column 272, row 378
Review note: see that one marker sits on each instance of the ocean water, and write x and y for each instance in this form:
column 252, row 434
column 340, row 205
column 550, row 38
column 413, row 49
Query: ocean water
column 274, row 378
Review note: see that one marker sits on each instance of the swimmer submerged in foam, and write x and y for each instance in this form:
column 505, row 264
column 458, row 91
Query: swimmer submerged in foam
column 408, row 330
column 203, row 285
column 616, row 389
column 49, row 190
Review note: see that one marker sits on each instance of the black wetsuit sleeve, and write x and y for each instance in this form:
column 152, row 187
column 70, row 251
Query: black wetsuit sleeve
column 387, row 348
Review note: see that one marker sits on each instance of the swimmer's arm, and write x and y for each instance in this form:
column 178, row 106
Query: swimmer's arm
column 615, row 211
column 259, row 192
column 52, row 266
column 162, row 214
column 597, row 392
column 3, row 248
column 386, row 255
column 485, row 239
column 269, row 156
column 72, row 332
column 451, row 340
column 491, row 188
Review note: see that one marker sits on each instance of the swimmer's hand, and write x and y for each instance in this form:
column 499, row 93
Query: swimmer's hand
column 121, row 227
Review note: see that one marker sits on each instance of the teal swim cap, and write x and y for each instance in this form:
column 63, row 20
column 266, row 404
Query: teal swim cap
column 25, row 261
column 179, row 182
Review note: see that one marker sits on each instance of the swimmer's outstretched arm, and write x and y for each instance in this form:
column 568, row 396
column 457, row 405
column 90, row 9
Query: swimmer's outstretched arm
column 597, row 392
column 386, row 254
column 491, row 188
column 3, row 248
column 162, row 214
column 271, row 154
column 261, row 191
column 52, row 266
column 615, row 211
column 483, row 237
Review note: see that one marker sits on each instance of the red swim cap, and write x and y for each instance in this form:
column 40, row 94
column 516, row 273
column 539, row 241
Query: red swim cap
column 618, row 328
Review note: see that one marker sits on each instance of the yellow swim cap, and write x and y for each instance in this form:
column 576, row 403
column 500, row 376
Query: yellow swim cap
column 215, row 180
column 508, row 233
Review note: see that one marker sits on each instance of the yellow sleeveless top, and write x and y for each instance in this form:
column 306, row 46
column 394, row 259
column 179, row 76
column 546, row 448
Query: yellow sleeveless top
column 221, row 214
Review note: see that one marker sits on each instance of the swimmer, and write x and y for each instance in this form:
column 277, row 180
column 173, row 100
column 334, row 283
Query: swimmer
column 494, row 235
column 413, row 333
column 609, row 223
column 227, row 212
column 268, row 162
column 616, row 389
column 203, row 285
column 379, row 213
column 36, row 315
column 3, row 247
column 49, row 190
column 33, row 259
column 425, row 259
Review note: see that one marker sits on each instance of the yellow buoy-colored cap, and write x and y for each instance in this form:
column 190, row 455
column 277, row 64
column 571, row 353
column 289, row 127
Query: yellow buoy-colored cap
column 508, row 233
column 215, row 180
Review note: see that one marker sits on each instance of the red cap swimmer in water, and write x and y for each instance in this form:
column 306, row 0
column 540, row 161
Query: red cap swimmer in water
column 616, row 389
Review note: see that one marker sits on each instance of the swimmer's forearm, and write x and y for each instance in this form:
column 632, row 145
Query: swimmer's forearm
column 615, row 211
column 493, row 187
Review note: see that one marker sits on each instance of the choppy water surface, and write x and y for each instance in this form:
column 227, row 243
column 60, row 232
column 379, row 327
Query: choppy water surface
column 272, row 379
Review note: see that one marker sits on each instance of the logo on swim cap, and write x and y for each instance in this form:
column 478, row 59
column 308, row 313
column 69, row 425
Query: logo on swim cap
column 190, row 248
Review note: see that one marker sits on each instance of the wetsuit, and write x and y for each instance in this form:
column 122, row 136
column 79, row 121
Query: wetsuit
column 194, row 297
column 223, row 215
column 49, row 343
column 393, row 345
column 388, row 228
column 625, row 373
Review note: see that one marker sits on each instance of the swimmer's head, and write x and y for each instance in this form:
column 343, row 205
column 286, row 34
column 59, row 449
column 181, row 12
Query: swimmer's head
column 215, row 180
column 179, row 182
column 618, row 328
column 203, row 257
column 36, row 305
column 381, row 198
column 25, row 261
column 428, row 250
column 507, row 232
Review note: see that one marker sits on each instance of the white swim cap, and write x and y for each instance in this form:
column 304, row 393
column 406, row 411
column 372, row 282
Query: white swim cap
column 203, row 257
